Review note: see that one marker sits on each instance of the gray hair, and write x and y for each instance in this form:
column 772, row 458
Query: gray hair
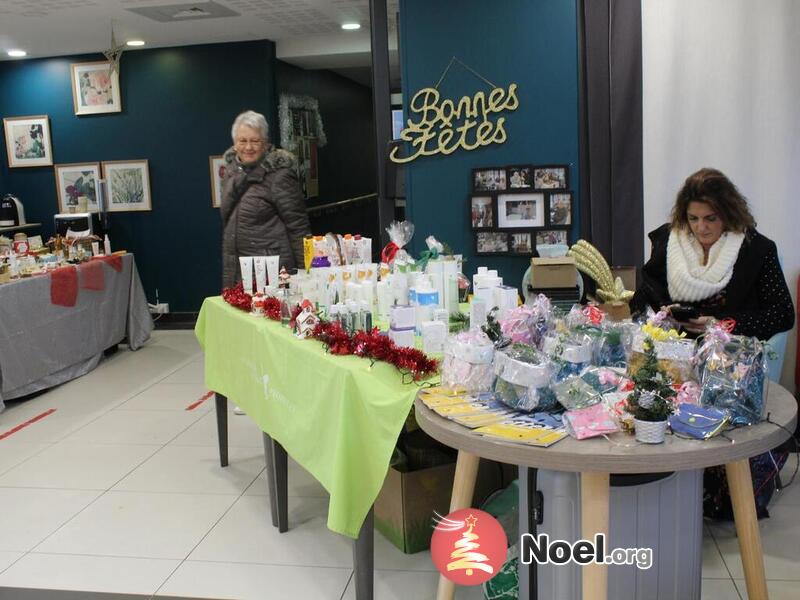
column 252, row 119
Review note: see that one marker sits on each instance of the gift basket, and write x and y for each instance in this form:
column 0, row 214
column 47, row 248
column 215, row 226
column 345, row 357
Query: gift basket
column 467, row 362
column 674, row 352
column 523, row 378
column 571, row 352
column 732, row 373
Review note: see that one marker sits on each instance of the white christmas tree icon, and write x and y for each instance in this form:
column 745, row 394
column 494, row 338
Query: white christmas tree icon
column 464, row 555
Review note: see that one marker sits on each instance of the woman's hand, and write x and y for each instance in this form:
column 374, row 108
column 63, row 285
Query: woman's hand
column 697, row 325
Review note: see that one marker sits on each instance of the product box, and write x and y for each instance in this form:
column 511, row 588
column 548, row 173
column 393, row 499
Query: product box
column 405, row 505
column 557, row 272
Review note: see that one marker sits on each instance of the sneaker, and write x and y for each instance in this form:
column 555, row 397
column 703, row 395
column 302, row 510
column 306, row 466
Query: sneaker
column 238, row 411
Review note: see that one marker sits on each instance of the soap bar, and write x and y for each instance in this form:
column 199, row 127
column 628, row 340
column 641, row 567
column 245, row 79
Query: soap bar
column 402, row 317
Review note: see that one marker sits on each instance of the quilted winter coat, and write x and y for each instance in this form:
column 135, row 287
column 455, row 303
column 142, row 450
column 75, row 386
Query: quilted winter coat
column 263, row 212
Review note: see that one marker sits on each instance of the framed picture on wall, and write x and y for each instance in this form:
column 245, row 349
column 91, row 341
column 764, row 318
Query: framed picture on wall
column 488, row 180
column 76, row 184
column 28, row 141
column 481, row 210
column 95, row 88
column 519, row 177
column 216, row 167
column 560, row 206
column 551, row 177
column 491, row 242
column 521, row 243
column 128, row 185
column 520, row 210
column 551, row 236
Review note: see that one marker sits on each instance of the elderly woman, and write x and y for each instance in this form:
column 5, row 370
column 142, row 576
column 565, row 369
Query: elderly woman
column 263, row 212
column 711, row 262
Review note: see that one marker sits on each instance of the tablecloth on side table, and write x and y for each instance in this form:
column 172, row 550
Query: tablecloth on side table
column 335, row 415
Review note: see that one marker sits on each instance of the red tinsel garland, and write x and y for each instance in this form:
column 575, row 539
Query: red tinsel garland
column 366, row 344
column 237, row 297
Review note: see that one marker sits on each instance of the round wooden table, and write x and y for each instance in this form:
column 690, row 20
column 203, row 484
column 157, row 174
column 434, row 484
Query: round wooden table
column 597, row 458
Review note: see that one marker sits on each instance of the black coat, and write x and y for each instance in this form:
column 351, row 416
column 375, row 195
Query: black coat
column 756, row 297
column 263, row 212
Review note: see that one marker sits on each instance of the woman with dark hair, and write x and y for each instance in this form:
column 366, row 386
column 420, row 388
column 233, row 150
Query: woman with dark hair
column 711, row 261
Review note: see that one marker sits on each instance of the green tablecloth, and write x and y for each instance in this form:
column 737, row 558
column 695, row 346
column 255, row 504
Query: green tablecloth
column 334, row 415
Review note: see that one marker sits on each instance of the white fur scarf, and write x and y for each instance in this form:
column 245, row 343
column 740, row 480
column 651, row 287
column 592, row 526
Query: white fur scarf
column 688, row 278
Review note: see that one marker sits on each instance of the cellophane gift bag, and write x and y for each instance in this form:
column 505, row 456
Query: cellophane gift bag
column 732, row 372
column 467, row 362
column 523, row 378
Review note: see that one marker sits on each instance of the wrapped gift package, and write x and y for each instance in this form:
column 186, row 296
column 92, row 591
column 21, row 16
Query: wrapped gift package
column 523, row 378
column 675, row 356
column 467, row 362
column 571, row 353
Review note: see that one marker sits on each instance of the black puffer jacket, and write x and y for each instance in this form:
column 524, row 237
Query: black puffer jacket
column 263, row 212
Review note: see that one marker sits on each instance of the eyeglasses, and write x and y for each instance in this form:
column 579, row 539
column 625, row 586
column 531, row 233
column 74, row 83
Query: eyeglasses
column 243, row 143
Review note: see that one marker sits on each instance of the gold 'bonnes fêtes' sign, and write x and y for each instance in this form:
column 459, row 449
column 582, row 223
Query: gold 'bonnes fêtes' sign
column 443, row 126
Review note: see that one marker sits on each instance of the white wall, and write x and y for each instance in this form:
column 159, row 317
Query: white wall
column 722, row 89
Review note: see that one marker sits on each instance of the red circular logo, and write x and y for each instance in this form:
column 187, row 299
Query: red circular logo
column 468, row 546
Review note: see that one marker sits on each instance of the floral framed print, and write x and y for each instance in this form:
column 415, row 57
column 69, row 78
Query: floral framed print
column 77, row 184
column 28, row 141
column 95, row 88
column 128, row 184
column 216, row 167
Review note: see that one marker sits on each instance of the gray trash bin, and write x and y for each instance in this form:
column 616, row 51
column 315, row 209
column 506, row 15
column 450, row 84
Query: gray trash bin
column 659, row 511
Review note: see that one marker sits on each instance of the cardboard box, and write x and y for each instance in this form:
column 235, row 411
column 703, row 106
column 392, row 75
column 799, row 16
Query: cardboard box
column 628, row 276
column 557, row 272
column 616, row 311
column 405, row 505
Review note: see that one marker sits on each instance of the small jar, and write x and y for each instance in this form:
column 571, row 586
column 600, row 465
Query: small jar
column 257, row 305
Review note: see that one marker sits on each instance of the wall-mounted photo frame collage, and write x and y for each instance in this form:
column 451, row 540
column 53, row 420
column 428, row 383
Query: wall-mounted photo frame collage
column 513, row 209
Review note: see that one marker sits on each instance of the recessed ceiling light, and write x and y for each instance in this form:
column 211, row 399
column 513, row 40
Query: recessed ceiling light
column 17, row 53
column 135, row 42
column 351, row 26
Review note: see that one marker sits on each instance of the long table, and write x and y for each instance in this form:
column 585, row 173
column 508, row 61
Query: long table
column 337, row 416
column 43, row 345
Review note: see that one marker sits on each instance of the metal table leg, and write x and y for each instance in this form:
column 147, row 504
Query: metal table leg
column 273, row 496
column 363, row 559
column 222, row 427
column 280, row 469
column 529, row 518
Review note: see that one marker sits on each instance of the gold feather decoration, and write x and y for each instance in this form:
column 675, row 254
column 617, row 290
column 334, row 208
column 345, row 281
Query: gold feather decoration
column 588, row 260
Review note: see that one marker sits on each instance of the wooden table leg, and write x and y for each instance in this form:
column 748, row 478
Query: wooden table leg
column 222, row 427
column 463, row 490
column 364, row 558
column 740, row 483
column 595, row 492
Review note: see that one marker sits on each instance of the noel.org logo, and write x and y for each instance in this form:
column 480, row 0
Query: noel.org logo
column 468, row 546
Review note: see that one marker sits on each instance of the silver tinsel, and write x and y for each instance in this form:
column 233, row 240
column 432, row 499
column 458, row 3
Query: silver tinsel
column 288, row 102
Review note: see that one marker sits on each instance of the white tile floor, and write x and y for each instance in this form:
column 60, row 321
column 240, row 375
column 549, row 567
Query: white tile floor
column 120, row 490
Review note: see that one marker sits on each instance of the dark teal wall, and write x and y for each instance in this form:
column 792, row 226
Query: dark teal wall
column 532, row 43
column 178, row 106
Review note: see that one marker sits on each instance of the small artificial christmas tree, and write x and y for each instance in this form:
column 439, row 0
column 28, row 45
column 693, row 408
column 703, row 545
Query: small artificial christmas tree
column 651, row 399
